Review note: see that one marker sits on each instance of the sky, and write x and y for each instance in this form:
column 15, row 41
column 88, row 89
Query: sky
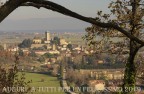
column 29, row 18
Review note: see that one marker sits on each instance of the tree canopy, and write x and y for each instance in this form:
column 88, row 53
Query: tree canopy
column 26, row 43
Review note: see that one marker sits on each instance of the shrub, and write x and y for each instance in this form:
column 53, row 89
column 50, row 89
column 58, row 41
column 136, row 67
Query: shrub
column 11, row 82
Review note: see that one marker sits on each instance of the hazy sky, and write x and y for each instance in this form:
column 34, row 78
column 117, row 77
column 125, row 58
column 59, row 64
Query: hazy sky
column 84, row 7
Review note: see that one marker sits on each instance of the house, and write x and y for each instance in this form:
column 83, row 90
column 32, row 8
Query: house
column 63, row 49
column 13, row 48
column 53, row 60
column 97, row 84
column 77, row 48
column 63, row 42
column 114, row 82
column 25, row 51
column 54, row 52
column 39, row 52
column 37, row 40
column 109, row 74
column 100, row 61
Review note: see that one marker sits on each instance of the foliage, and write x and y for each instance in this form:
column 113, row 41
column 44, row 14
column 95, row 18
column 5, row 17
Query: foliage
column 99, row 66
column 56, row 40
column 41, row 59
column 9, row 78
column 128, row 15
column 76, row 77
column 21, row 53
column 26, row 43
column 39, row 48
column 49, row 55
column 1, row 47
column 32, row 54
column 6, row 57
column 61, row 70
column 69, row 46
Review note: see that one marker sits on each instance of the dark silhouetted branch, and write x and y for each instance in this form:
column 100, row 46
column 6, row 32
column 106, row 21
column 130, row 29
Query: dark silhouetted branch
column 11, row 5
column 58, row 8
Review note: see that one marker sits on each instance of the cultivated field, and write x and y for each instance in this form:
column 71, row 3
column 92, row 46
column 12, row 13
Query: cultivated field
column 43, row 83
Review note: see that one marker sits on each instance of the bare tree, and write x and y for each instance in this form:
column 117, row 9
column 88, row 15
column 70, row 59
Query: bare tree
column 131, row 9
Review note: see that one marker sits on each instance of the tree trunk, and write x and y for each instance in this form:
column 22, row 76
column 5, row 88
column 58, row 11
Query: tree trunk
column 130, row 70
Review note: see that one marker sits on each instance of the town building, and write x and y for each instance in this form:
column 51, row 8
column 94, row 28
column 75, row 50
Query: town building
column 97, row 84
column 47, row 37
column 109, row 74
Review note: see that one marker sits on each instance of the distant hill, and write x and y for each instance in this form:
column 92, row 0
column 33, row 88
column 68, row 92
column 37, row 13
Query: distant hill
column 66, row 24
column 38, row 31
column 41, row 24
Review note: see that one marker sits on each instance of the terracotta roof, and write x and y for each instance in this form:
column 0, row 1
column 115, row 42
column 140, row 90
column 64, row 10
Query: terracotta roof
column 36, row 37
column 94, row 82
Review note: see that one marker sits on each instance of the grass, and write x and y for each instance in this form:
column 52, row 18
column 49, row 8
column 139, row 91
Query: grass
column 41, row 87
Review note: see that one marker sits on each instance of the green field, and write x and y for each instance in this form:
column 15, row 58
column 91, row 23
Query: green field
column 43, row 87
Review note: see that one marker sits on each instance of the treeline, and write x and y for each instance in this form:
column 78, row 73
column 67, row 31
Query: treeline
column 99, row 66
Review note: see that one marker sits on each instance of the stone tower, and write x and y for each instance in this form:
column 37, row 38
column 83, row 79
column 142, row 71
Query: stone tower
column 5, row 47
column 47, row 37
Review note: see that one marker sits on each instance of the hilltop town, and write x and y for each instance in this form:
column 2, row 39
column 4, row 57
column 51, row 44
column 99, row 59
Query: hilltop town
column 67, row 59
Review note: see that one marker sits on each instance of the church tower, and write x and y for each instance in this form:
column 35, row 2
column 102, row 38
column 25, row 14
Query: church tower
column 47, row 37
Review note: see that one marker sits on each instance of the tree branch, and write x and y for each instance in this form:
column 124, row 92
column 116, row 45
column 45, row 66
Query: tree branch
column 11, row 5
column 58, row 8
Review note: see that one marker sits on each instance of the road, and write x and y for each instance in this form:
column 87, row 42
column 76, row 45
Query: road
column 65, row 85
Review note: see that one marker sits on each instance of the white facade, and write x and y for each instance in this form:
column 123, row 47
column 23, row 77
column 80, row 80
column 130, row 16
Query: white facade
column 13, row 49
column 5, row 46
column 54, row 52
column 63, row 42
